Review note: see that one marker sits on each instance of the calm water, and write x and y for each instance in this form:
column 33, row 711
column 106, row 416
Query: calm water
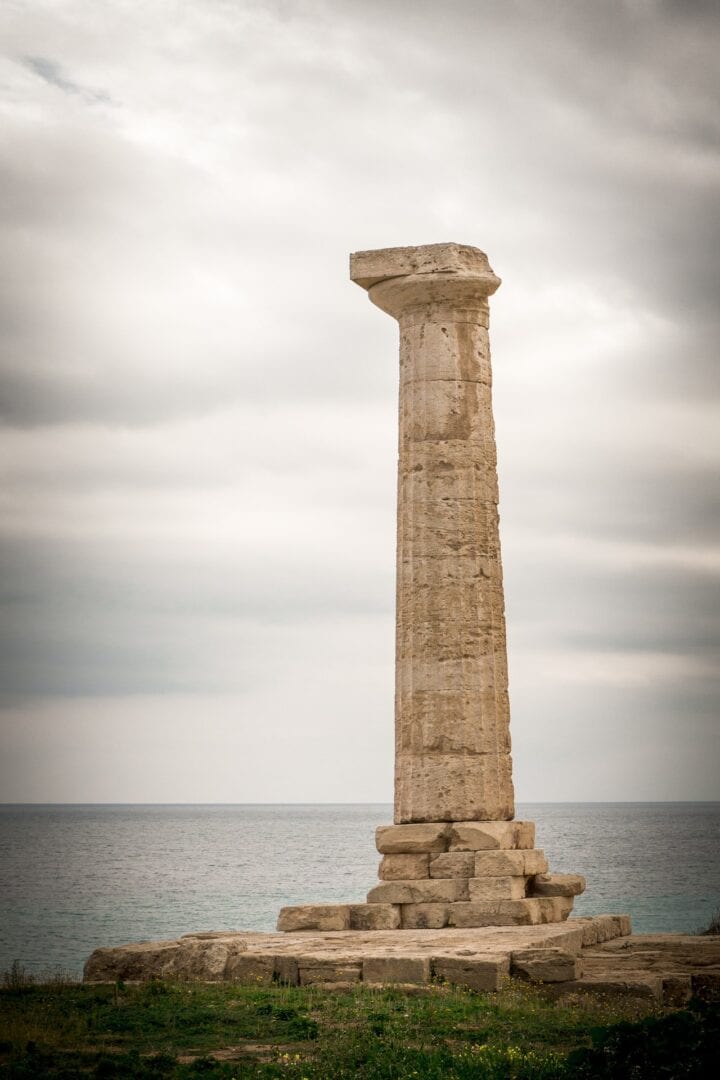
column 74, row 877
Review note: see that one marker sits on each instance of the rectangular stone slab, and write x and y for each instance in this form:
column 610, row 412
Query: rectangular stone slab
column 491, row 835
column 413, row 838
column 338, row 955
column 558, row 885
column 546, row 965
column 430, row 891
column 450, row 864
column 509, row 863
column 374, row 916
column 423, row 916
column 385, row 970
column 405, row 867
column 497, row 888
column 476, row 973
column 314, row 917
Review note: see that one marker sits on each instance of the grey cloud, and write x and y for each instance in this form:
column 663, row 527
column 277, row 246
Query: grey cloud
column 199, row 407
column 52, row 73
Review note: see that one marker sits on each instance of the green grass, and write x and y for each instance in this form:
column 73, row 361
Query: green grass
column 179, row 1030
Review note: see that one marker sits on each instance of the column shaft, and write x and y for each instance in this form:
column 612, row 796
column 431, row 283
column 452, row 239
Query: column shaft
column 452, row 749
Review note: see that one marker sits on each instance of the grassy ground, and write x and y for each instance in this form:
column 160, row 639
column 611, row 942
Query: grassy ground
column 182, row 1030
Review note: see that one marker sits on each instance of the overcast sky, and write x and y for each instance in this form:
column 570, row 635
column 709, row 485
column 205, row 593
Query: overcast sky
column 199, row 409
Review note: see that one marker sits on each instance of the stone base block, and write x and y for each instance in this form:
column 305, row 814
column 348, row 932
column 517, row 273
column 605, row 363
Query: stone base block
column 405, row 867
column 314, row 917
column 249, row 970
column 375, row 916
column 491, row 835
column 431, row 891
column 424, row 916
column 498, row 888
column 546, row 965
column 327, row 972
column 452, row 864
column 381, row 970
column 558, row 885
column 510, row 863
column 475, row 973
column 412, row 839
column 602, row 928
column 528, row 912
column 458, row 836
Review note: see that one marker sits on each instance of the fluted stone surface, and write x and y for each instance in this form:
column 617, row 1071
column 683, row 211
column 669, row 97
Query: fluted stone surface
column 452, row 757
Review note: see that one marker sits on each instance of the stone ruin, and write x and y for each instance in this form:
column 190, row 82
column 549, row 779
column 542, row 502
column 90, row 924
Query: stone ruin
column 455, row 856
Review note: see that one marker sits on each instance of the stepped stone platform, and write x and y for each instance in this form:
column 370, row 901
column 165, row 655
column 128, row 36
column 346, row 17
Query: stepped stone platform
column 594, row 954
column 451, row 874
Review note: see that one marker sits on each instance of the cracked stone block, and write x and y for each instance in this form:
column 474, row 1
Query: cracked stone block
column 483, row 973
column 430, row 891
column 558, row 885
column 412, row 839
column 405, row 867
column 546, row 965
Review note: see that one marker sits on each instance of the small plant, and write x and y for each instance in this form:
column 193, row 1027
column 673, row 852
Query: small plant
column 17, row 978
column 713, row 927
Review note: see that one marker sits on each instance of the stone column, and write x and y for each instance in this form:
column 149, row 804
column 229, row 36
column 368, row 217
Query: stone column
column 452, row 748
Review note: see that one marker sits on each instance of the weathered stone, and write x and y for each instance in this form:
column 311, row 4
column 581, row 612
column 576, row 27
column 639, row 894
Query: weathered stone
column 524, row 835
column 546, row 965
column 452, row 864
column 396, row 969
column 604, row 928
column 326, row 971
column 676, row 990
column 430, row 891
column 314, row 917
column 509, row 863
column 424, row 916
column 190, row 958
column 404, row 867
column 367, row 268
column 535, row 862
column 497, row 888
column 286, row 971
column 452, row 737
column 491, row 835
column 552, row 908
column 475, row 973
column 412, row 839
column 706, row 985
column 494, row 913
column 623, row 924
column 558, row 885
column 250, row 970
column 374, row 916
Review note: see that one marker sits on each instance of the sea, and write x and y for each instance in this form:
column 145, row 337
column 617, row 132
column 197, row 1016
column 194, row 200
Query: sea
column 76, row 877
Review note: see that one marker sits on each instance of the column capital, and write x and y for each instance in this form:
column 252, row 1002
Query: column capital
column 402, row 278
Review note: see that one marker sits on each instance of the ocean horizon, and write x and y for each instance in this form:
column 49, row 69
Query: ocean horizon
column 80, row 875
